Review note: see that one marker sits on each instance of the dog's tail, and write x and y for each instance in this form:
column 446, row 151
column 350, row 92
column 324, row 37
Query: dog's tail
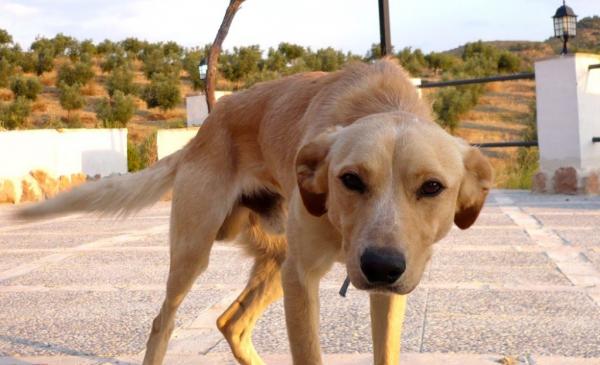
column 119, row 195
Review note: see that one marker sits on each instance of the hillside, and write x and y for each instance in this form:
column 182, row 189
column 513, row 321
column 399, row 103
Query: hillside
column 492, row 112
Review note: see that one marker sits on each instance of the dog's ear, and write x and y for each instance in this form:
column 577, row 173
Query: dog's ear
column 311, row 173
column 476, row 184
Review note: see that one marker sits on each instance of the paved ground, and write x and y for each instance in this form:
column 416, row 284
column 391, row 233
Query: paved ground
column 523, row 282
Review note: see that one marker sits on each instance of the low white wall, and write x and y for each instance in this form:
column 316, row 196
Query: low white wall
column 197, row 109
column 64, row 152
column 171, row 140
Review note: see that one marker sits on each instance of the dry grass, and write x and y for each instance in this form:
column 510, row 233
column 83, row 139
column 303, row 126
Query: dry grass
column 500, row 116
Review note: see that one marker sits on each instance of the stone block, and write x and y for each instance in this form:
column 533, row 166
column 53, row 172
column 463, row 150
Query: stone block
column 539, row 183
column 565, row 180
column 64, row 183
column 591, row 184
column 31, row 190
column 10, row 191
column 78, row 179
column 47, row 183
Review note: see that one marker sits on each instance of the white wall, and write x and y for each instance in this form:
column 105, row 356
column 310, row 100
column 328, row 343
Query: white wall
column 171, row 140
column 568, row 112
column 197, row 109
column 91, row 151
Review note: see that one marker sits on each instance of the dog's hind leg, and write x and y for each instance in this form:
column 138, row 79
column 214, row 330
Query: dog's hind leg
column 195, row 220
column 262, row 289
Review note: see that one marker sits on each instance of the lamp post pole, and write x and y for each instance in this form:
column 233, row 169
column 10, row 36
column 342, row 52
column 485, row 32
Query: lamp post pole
column 384, row 28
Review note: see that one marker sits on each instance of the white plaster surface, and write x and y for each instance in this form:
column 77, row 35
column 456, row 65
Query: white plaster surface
column 63, row 152
column 568, row 109
column 171, row 140
column 197, row 109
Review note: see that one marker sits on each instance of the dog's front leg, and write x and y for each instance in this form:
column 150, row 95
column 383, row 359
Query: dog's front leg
column 387, row 315
column 301, row 299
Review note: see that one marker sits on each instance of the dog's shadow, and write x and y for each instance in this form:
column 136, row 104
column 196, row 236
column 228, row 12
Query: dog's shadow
column 10, row 360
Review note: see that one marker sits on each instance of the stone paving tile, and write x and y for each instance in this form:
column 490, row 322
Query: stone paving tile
column 581, row 237
column 594, row 257
column 490, row 208
column 512, row 303
column 44, row 240
column 93, row 323
column 153, row 240
column 12, row 260
column 487, row 236
column 578, row 220
column 565, row 209
column 95, row 226
column 486, row 219
column 345, row 325
column 123, row 269
column 489, row 258
column 566, row 336
column 504, row 275
column 97, row 268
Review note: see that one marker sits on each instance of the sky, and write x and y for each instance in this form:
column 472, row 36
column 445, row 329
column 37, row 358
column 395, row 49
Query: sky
column 350, row 25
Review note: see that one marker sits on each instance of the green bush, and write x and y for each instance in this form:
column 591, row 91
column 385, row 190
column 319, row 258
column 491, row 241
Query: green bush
column 6, row 70
column 79, row 73
column 140, row 156
column 508, row 62
column 5, row 37
column 117, row 112
column 451, row 103
column 114, row 60
column 14, row 115
column 28, row 62
column 121, row 79
column 44, row 60
column 156, row 62
column 70, row 97
column 162, row 92
column 28, row 87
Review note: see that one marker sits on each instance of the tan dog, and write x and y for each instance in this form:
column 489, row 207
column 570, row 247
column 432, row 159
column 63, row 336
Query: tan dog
column 368, row 179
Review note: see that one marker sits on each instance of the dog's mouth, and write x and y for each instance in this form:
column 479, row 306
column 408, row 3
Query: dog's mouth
column 396, row 288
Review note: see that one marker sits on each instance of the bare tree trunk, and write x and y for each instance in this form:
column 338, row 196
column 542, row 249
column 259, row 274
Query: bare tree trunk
column 215, row 50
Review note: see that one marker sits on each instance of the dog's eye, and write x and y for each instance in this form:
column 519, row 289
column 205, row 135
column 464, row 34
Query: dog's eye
column 431, row 188
column 353, row 182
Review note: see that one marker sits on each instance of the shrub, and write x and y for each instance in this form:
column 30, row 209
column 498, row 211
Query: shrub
column 508, row 62
column 79, row 73
column 121, row 78
column 6, row 70
column 44, row 60
column 28, row 87
column 28, row 62
column 114, row 60
column 140, row 156
column 14, row 115
column 452, row 102
column 5, row 37
column 70, row 97
column 156, row 62
column 117, row 112
column 162, row 92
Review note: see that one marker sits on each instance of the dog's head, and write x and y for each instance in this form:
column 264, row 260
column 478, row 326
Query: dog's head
column 392, row 186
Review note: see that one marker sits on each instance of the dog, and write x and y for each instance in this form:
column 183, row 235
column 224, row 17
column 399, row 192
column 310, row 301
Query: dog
column 303, row 172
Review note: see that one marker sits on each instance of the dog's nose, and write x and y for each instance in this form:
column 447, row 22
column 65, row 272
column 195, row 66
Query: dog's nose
column 382, row 265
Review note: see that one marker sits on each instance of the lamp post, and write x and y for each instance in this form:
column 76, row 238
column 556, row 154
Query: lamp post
column 202, row 69
column 565, row 24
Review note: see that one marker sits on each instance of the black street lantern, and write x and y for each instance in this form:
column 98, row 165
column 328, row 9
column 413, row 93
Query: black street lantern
column 565, row 24
column 202, row 68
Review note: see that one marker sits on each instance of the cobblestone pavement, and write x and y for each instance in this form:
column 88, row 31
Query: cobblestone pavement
column 523, row 282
